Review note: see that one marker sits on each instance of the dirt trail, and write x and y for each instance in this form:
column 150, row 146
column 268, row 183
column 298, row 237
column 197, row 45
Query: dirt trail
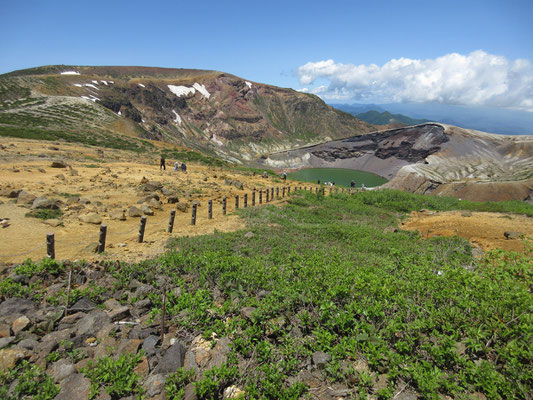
column 482, row 229
column 110, row 186
column 108, row 180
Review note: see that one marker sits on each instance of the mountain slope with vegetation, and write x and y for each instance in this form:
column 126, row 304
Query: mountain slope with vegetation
column 210, row 111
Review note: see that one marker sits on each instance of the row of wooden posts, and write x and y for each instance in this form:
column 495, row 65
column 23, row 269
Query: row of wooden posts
column 50, row 241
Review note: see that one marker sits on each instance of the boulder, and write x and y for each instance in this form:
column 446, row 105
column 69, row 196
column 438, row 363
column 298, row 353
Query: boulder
column 76, row 386
column 6, row 341
column 62, row 369
column 173, row 199
column 320, row 359
column 147, row 210
column 82, row 305
column 183, row 207
column 513, row 235
column 135, row 212
column 91, row 323
column 20, row 324
column 10, row 357
column 45, row 203
column 10, row 193
column 25, row 198
column 154, row 384
column 59, row 164
column 16, row 306
column 171, row 360
column 91, row 218
column 154, row 203
column 117, row 215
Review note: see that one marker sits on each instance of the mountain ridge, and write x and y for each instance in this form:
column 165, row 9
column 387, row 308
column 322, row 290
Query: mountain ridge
column 211, row 111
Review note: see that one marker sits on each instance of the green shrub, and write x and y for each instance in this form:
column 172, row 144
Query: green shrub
column 116, row 377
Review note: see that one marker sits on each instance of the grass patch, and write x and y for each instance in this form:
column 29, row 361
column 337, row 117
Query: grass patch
column 44, row 214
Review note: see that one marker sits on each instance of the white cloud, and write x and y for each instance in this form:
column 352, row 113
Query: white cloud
column 478, row 79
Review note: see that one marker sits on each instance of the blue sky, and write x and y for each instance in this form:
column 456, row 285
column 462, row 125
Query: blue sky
column 271, row 41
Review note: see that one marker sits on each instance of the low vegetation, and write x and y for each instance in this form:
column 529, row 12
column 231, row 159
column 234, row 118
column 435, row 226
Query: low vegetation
column 331, row 275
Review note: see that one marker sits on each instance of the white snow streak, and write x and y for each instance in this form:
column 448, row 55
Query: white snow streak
column 184, row 90
column 178, row 118
column 202, row 89
column 141, row 85
column 70, row 73
column 181, row 90
column 78, row 85
column 249, row 84
column 95, row 82
column 104, row 82
column 214, row 139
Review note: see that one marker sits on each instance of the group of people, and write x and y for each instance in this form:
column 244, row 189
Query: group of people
column 283, row 176
column 162, row 165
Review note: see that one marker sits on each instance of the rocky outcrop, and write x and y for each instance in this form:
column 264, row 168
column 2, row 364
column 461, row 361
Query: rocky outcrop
column 430, row 158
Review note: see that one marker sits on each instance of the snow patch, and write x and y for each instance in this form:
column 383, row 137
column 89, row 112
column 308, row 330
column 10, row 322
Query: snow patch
column 92, row 98
column 217, row 141
column 91, row 86
column 104, row 82
column 249, row 84
column 78, row 85
column 95, row 82
column 178, row 118
column 184, row 90
column 141, row 85
column 70, row 73
column 119, row 113
column 202, row 89
column 181, row 90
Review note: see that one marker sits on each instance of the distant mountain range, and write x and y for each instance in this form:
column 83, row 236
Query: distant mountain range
column 378, row 117
column 501, row 121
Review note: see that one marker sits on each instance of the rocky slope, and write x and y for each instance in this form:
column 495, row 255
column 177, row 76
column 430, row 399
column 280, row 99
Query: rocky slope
column 430, row 158
column 211, row 111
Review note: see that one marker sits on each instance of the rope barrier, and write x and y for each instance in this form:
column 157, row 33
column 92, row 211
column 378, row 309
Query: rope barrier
column 113, row 234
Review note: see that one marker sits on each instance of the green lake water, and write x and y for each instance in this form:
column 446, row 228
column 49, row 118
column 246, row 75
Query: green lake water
column 340, row 176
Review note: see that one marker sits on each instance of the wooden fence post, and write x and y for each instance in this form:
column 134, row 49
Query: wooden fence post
column 224, row 206
column 50, row 246
column 236, row 201
column 283, row 191
column 245, row 200
column 210, row 209
column 253, row 198
column 277, row 192
column 163, row 313
column 261, row 196
column 193, row 216
column 142, row 226
column 267, row 195
column 101, row 241
column 271, row 193
column 171, row 221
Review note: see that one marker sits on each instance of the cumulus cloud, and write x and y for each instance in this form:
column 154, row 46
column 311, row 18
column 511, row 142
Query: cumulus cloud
column 477, row 79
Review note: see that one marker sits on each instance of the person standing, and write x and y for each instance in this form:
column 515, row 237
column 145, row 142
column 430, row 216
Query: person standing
column 284, row 176
column 176, row 166
column 162, row 163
